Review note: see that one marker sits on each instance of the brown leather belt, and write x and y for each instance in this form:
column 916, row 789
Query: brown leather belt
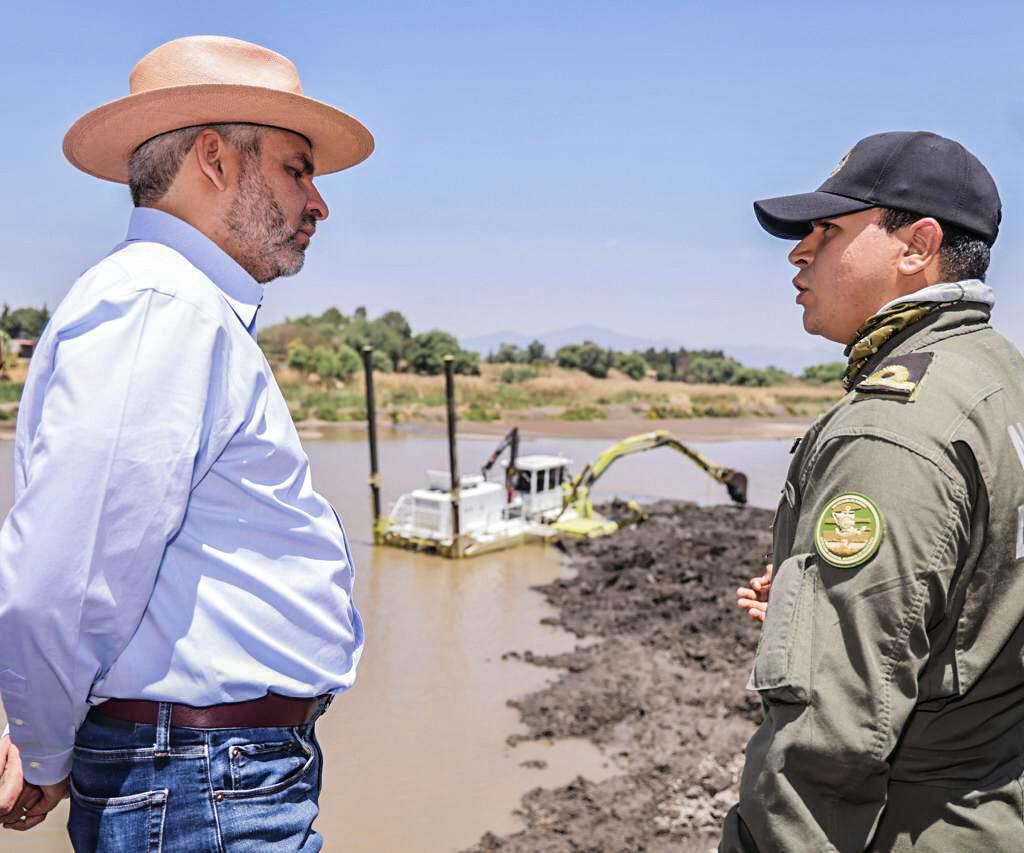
column 269, row 711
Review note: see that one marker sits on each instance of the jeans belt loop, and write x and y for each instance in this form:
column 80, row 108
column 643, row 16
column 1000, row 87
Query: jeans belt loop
column 162, row 747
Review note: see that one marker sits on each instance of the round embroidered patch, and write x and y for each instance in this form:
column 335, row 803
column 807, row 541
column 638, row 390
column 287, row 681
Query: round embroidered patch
column 849, row 531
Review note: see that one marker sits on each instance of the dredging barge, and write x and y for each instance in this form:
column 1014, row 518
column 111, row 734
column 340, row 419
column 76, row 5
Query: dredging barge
column 461, row 516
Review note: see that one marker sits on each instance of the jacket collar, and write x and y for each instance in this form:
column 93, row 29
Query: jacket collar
column 958, row 319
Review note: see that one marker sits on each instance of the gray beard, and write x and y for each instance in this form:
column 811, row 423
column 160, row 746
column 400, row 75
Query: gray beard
column 264, row 241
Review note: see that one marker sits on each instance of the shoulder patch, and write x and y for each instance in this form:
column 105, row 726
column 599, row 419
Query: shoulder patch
column 849, row 530
column 898, row 377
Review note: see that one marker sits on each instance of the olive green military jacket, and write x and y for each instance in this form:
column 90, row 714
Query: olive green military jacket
column 890, row 663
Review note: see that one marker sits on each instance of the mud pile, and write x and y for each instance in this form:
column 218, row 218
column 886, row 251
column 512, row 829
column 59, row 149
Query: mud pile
column 663, row 690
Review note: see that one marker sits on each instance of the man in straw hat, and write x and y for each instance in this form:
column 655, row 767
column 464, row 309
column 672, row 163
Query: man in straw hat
column 175, row 598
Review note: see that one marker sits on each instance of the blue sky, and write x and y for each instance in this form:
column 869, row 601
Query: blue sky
column 540, row 164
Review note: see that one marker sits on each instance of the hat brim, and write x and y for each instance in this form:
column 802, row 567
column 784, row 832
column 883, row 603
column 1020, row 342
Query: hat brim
column 790, row 216
column 102, row 140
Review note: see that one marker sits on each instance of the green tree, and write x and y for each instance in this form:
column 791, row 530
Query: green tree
column 710, row 369
column 325, row 363
column 467, row 363
column 395, row 335
column 426, row 355
column 664, row 362
column 357, row 333
column 333, row 317
column 775, row 375
column 595, row 359
column 380, row 335
column 382, row 362
column 396, row 321
column 349, row 362
column 535, row 351
column 300, row 357
column 825, row 374
column 633, row 365
column 24, row 322
column 507, row 354
column 386, row 339
column 751, row 376
column 428, row 349
column 568, row 356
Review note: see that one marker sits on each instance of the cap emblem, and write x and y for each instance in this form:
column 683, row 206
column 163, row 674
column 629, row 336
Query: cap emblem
column 843, row 162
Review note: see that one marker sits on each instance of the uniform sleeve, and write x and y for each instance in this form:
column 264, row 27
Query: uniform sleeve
column 842, row 649
column 110, row 472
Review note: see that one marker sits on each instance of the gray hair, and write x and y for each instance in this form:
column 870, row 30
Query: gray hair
column 154, row 165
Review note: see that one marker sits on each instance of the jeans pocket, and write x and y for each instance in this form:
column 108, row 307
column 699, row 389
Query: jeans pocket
column 261, row 769
column 782, row 667
column 125, row 824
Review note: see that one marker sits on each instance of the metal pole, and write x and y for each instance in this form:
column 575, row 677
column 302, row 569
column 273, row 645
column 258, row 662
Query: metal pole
column 453, row 461
column 371, row 425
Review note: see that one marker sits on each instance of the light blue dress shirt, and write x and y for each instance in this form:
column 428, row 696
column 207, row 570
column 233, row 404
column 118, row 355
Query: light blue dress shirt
column 166, row 542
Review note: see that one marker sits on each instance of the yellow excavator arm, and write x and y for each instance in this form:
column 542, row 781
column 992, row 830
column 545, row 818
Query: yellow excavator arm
column 584, row 521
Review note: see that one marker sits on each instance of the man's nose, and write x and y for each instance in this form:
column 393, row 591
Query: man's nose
column 315, row 204
column 803, row 253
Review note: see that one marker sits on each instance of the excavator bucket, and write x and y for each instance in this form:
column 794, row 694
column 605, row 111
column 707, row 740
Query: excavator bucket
column 586, row 528
column 736, row 483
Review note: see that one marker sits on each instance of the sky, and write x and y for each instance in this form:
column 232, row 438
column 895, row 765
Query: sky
column 540, row 164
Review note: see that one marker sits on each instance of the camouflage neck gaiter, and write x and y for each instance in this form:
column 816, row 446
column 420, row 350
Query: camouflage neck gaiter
column 879, row 328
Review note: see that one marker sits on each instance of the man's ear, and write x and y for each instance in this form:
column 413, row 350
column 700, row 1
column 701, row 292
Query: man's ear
column 924, row 240
column 212, row 153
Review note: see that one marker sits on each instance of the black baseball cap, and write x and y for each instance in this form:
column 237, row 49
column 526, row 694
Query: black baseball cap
column 920, row 172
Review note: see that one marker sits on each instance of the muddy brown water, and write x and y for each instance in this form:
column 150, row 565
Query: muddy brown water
column 416, row 753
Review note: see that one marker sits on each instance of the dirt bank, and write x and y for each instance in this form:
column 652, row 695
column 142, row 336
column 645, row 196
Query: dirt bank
column 662, row 692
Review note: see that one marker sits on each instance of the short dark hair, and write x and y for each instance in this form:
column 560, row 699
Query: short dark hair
column 962, row 254
column 154, row 165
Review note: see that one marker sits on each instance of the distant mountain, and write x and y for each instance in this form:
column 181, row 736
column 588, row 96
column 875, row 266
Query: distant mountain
column 485, row 344
column 794, row 358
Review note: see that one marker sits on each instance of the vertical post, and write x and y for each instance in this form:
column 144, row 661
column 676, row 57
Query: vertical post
column 371, row 426
column 453, row 460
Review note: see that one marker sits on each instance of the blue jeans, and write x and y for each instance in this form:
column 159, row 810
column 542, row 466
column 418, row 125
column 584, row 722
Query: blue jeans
column 167, row 789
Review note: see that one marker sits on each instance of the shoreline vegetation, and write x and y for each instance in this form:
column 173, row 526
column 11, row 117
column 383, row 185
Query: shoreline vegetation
column 581, row 390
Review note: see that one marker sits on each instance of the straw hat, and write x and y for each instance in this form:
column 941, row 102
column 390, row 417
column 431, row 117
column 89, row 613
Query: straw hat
column 211, row 80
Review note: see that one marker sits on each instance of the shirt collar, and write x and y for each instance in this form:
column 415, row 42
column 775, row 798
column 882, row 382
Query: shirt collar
column 239, row 289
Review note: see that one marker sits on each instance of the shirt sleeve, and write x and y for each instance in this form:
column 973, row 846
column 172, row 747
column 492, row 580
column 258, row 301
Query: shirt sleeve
column 110, row 470
column 842, row 650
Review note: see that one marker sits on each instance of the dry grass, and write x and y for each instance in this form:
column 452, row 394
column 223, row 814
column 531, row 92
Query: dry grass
column 555, row 393
column 405, row 397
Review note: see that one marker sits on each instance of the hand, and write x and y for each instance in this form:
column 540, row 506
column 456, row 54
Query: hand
column 16, row 796
column 51, row 797
column 754, row 599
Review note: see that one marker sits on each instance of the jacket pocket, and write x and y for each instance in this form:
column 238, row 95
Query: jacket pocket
column 782, row 667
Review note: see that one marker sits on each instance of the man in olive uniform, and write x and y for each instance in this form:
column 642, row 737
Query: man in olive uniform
column 890, row 663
